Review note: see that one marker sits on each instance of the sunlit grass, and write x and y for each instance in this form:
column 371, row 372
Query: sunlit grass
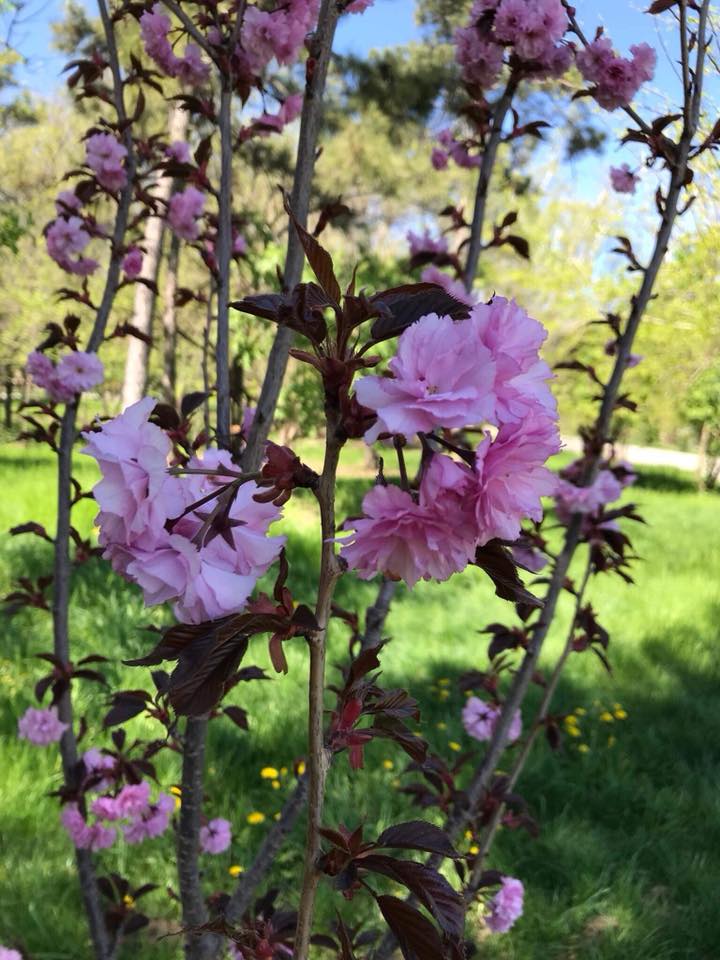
column 627, row 863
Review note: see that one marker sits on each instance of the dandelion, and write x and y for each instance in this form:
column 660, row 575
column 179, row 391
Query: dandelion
column 128, row 900
column 620, row 714
column 612, row 741
column 388, row 764
column 396, row 783
column 235, row 870
column 283, row 771
column 276, row 816
column 301, row 768
column 580, row 711
column 269, row 773
column 606, row 716
column 474, row 850
column 454, row 746
column 255, row 817
column 441, row 725
column 443, row 694
column 468, row 835
column 275, row 784
column 573, row 731
column 583, row 748
column 444, row 682
column 176, row 791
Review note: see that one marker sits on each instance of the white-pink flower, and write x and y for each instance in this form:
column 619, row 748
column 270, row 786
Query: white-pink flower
column 480, row 719
column 7, row 953
column 623, row 180
column 152, row 821
column 84, row 835
column 65, row 240
column 215, row 836
column 41, row 727
column 132, row 263
column 442, row 376
column 506, row 905
column 78, row 371
column 184, row 212
column 105, row 156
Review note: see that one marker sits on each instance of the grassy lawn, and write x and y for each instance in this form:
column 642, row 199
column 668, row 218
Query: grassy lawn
column 627, row 863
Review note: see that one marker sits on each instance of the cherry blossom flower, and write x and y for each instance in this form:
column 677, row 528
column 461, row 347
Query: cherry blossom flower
column 40, row 368
column 570, row 498
column 439, row 158
column 442, row 377
column 150, row 822
column 65, row 239
column 184, row 211
column 154, row 29
column 179, row 151
column 506, row 905
column 480, row 58
column 480, row 719
column 105, row 156
column 215, row 836
column 425, row 243
column 85, row 836
column 404, row 540
column 7, row 953
column 456, row 288
column 616, row 79
column 67, row 202
column 132, row 263
column 78, row 371
column 623, row 179
column 96, row 762
column 531, row 26
column 358, row 6
column 41, row 726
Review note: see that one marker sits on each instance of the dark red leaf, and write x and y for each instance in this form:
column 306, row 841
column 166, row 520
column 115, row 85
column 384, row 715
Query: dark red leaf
column 498, row 564
column 401, row 306
column 318, row 258
column 417, row 937
column 418, row 835
column 237, row 715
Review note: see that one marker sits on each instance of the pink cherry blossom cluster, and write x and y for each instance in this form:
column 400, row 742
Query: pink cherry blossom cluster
column 277, row 34
column 184, row 212
column 41, row 727
column 179, row 151
column 623, row 180
column 190, row 68
column 506, row 906
column 447, row 374
column 268, row 123
column 215, row 836
column 615, row 79
column 154, row 536
column 425, row 243
column 7, row 953
column 480, row 719
column 105, row 156
column 607, row 487
column 454, row 149
column 76, row 371
column 528, row 29
column 132, row 263
column 143, row 819
column 67, row 236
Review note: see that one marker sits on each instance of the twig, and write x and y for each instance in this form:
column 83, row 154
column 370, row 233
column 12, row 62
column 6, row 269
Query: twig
column 190, row 27
column 500, row 109
column 300, row 204
column 318, row 754
column 224, row 245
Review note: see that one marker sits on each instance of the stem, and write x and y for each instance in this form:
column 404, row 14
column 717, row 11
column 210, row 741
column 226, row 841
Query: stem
column 224, row 244
column 376, row 615
column 300, row 204
column 536, row 727
column 502, row 105
column 169, row 323
column 61, row 561
column 318, row 754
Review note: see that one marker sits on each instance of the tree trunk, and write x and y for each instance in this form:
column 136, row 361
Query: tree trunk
column 136, row 363
column 169, row 323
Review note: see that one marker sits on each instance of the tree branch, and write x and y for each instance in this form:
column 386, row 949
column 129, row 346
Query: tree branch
column 300, row 203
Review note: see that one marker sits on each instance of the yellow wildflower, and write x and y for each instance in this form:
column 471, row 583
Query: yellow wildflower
column 620, row 714
column 276, row 816
column 235, row 870
column 474, row 850
column 583, row 748
column 612, row 741
column 444, row 682
column 468, row 834
column 443, row 694
column 396, row 783
column 128, row 900
column 580, row 711
column 269, row 773
column 454, row 746
column 606, row 716
column 178, row 803
column 255, row 817
column 275, row 784
column 388, row 764
column 301, row 768
column 176, row 791
column 573, row 731
column 441, row 725
column 283, row 771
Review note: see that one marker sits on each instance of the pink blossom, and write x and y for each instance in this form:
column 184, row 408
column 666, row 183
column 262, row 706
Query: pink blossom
column 184, row 210
column 359, row 6
column 78, row 371
column 67, row 202
column 65, row 239
column 96, row 762
column 150, row 822
column 404, row 540
column 132, row 263
column 40, row 368
column 462, row 156
column 425, row 243
column 511, row 478
column 531, row 26
column 506, row 906
column 604, row 489
column 105, row 156
column 443, row 376
column 623, row 179
column 616, row 79
column 278, row 34
column 521, row 377
column 456, row 288
column 191, row 68
column 480, row 58
column 291, row 107
column 132, row 799
column 85, row 836
column 41, row 727
column 216, row 836
column 529, row 558
column 239, row 245
column 179, row 151
column 7, row 953
column 624, row 473
column 439, row 158
column 154, row 29
column 480, row 719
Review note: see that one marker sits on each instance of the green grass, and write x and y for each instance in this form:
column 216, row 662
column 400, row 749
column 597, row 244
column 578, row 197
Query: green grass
column 627, row 863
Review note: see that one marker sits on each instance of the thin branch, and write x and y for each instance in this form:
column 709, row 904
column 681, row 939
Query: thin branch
column 199, row 38
column 499, row 112
column 300, row 203
column 224, row 250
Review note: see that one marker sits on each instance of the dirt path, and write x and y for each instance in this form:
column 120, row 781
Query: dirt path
column 646, row 456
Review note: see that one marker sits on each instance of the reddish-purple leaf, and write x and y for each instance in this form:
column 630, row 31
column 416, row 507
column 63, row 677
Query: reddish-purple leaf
column 418, row 835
